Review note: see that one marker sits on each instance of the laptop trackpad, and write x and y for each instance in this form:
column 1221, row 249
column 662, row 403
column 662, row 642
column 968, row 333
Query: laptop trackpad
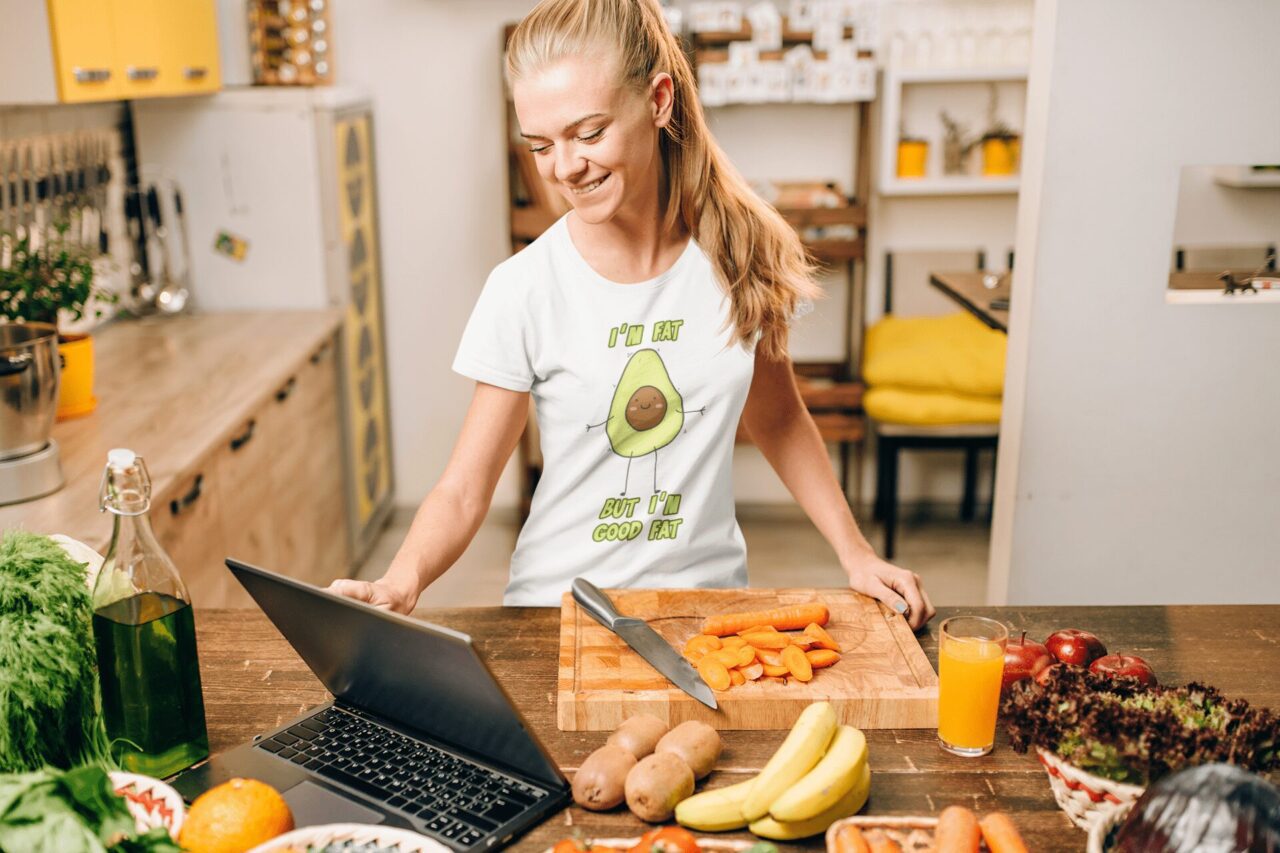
column 312, row 805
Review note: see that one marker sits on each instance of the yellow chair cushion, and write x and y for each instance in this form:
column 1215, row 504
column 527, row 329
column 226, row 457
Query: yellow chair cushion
column 929, row 408
column 955, row 354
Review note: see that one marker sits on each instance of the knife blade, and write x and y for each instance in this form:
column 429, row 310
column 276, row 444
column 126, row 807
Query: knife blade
column 646, row 642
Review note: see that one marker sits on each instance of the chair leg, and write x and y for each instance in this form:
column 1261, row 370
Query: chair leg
column 882, row 469
column 889, row 461
column 969, row 502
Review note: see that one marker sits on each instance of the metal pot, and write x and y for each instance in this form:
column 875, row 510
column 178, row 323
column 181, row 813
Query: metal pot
column 28, row 387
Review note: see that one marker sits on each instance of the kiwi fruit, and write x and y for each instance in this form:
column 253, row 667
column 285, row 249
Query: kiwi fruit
column 656, row 785
column 695, row 743
column 638, row 735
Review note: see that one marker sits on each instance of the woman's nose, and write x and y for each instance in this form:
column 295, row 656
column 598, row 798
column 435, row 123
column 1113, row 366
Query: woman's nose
column 569, row 164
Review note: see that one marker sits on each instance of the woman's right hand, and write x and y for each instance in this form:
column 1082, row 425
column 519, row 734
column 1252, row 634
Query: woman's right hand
column 379, row 593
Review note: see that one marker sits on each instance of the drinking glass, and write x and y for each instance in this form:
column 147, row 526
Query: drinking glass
column 970, row 665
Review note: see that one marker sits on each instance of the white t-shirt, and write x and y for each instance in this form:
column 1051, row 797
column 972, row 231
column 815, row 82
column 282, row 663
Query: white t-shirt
column 638, row 389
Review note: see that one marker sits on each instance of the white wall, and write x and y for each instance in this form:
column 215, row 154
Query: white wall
column 1140, row 461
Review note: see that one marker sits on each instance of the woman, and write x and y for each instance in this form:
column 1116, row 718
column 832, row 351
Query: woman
column 645, row 323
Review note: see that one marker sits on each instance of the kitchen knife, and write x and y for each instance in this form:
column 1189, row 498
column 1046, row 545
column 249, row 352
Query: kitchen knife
column 644, row 640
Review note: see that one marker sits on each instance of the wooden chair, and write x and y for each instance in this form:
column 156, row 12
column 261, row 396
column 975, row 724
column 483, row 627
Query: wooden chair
column 893, row 438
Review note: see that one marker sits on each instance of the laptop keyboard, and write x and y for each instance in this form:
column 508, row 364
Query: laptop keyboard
column 459, row 801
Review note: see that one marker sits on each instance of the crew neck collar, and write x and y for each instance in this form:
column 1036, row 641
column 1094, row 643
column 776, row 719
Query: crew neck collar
column 571, row 250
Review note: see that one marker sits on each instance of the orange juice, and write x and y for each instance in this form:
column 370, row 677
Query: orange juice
column 969, row 670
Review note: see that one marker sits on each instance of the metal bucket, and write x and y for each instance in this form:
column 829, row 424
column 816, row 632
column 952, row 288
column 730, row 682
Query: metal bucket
column 28, row 387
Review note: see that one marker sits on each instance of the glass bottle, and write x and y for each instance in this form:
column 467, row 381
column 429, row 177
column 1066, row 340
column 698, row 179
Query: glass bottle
column 145, row 634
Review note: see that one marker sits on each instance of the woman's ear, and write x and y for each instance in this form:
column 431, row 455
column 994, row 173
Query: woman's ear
column 661, row 99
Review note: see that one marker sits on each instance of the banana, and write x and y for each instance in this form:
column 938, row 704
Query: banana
column 802, row 749
column 849, row 804
column 824, row 785
column 715, row 811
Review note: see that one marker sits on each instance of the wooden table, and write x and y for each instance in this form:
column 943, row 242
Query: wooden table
column 968, row 289
column 253, row 681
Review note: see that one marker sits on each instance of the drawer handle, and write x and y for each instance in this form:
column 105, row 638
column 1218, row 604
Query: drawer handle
column 195, row 72
column 318, row 355
column 91, row 75
column 241, row 440
column 285, row 392
column 136, row 73
column 178, row 506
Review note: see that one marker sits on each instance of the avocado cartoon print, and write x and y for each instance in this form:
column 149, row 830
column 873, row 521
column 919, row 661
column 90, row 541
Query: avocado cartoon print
column 646, row 414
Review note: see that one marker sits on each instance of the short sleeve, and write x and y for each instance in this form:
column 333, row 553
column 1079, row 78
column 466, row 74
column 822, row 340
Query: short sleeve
column 495, row 345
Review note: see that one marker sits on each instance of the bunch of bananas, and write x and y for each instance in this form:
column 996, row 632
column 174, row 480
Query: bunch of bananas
column 818, row 775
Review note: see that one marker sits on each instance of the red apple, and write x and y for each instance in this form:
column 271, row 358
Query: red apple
column 1077, row 648
column 1023, row 659
column 1130, row 665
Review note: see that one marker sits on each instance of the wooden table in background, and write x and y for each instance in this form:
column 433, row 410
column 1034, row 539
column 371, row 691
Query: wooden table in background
column 968, row 289
column 254, row 681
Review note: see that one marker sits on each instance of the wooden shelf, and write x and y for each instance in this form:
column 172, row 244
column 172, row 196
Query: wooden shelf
column 837, row 250
column 789, row 36
column 807, row 217
column 954, row 185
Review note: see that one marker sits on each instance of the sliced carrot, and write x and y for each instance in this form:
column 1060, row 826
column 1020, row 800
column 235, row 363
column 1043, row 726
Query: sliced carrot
column 695, row 656
column 1000, row 834
column 769, row 657
column 737, row 678
column 705, row 642
column 776, row 671
column 732, row 642
column 714, row 673
column 791, row 617
column 768, row 641
column 849, row 839
column 729, row 657
column 797, row 663
column 753, row 671
column 820, row 638
column 878, row 842
column 757, row 629
column 802, row 645
column 957, row 831
column 820, row 658
column 746, row 655
column 773, row 679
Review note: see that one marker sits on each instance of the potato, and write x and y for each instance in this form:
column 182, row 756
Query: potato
column 697, row 744
column 638, row 735
column 599, row 782
column 656, row 785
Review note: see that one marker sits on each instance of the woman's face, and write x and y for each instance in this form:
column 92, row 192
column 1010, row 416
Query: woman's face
column 594, row 141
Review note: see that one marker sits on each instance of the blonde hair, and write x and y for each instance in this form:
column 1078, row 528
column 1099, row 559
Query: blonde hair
column 762, row 264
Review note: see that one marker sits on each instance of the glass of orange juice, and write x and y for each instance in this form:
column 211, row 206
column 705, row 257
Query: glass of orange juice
column 970, row 664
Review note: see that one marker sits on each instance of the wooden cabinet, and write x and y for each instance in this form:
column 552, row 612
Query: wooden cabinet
column 271, row 494
column 72, row 51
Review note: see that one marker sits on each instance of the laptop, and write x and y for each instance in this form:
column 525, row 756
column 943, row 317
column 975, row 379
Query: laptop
column 419, row 734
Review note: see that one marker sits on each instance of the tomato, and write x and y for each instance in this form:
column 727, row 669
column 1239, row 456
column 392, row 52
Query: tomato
column 569, row 845
column 666, row 839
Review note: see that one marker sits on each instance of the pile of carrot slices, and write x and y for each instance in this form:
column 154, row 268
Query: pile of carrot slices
column 736, row 648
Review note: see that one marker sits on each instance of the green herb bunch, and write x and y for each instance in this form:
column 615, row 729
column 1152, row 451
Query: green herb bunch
column 1121, row 730
column 39, row 281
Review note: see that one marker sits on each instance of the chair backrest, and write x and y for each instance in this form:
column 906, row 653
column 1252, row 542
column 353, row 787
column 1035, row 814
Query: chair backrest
column 907, row 291
column 1215, row 258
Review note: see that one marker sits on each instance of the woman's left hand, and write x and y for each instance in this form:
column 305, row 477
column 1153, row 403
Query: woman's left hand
column 897, row 588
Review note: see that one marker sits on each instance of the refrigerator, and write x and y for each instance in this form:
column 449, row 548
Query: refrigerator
column 279, row 195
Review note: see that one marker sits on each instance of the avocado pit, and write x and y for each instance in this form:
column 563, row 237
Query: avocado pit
column 646, row 408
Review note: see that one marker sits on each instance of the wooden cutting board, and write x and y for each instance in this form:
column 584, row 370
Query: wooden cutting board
column 883, row 679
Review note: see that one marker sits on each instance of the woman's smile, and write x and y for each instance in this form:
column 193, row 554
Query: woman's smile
column 580, row 191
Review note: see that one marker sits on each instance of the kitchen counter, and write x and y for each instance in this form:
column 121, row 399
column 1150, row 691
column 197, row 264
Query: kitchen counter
column 253, row 681
column 169, row 388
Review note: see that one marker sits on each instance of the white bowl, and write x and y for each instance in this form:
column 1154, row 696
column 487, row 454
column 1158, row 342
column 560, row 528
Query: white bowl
column 151, row 802
column 400, row 840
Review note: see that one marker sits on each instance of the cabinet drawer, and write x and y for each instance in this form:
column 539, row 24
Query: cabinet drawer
column 243, row 466
column 83, row 50
column 186, row 521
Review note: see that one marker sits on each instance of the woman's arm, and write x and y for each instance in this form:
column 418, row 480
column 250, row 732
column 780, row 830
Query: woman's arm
column 452, row 511
column 781, row 426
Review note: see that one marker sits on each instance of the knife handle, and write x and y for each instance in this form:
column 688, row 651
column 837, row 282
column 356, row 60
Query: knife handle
column 595, row 602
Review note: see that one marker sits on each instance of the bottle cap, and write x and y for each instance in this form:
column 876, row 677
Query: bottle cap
column 121, row 457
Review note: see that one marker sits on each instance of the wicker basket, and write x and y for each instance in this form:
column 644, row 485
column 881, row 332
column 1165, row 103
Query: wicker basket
column 1102, row 827
column 399, row 840
column 151, row 802
column 716, row 844
column 912, row 833
column 1085, row 798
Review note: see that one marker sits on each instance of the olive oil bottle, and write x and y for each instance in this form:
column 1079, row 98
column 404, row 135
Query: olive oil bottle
column 145, row 635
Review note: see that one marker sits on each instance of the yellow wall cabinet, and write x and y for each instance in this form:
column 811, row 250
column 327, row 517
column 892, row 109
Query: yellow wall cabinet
column 73, row 51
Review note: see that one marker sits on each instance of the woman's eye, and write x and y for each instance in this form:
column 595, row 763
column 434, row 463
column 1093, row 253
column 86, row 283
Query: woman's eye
column 538, row 149
column 591, row 137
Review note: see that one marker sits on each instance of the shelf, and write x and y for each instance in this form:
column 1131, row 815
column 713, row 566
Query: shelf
column 1245, row 177
column 806, row 217
column 836, row 250
column 789, row 36
column 957, row 75
column 1217, row 297
column 965, row 185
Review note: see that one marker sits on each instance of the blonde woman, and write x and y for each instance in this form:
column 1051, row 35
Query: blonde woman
column 645, row 323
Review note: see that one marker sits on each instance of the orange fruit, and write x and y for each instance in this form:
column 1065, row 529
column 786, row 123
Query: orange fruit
column 235, row 816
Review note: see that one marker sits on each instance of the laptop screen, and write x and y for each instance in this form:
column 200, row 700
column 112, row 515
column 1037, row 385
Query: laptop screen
column 420, row 675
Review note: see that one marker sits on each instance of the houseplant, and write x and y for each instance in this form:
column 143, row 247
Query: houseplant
column 1001, row 144
column 52, row 280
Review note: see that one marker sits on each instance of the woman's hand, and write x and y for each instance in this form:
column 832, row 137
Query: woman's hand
column 379, row 593
column 898, row 588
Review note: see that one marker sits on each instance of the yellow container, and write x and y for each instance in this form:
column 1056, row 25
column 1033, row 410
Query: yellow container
column 912, row 154
column 75, row 385
column 1000, row 156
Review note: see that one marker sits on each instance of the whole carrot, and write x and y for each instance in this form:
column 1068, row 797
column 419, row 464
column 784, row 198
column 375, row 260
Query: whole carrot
column 790, row 618
column 878, row 842
column 849, row 839
column 1001, row 835
column 957, row 831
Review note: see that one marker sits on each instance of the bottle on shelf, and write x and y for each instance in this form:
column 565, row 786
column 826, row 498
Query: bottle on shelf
column 145, row 634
